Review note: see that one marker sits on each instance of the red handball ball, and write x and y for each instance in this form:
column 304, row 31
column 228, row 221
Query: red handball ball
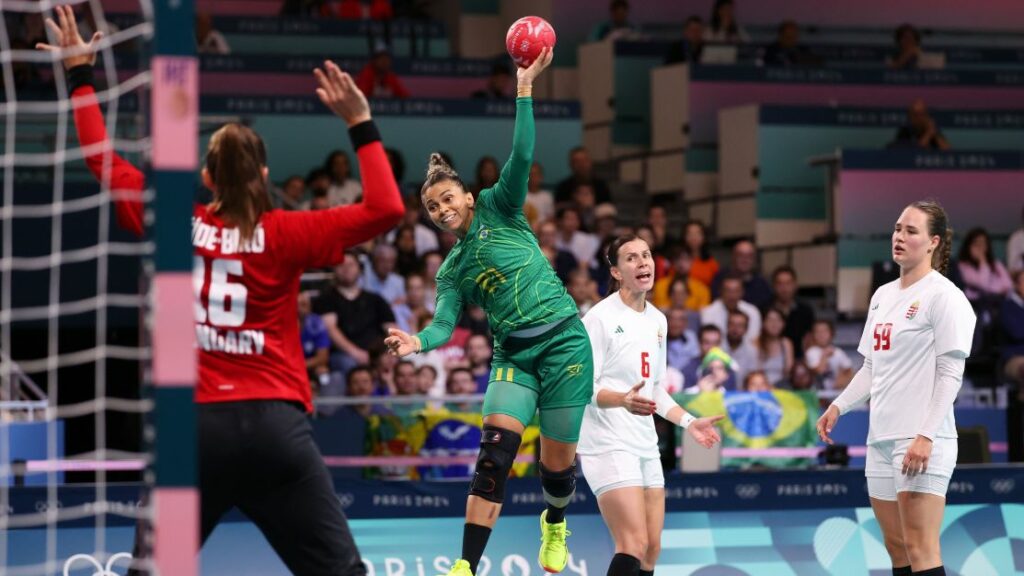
column 527, row 37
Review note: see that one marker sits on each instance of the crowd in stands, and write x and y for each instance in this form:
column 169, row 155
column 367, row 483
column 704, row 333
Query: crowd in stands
column 729, row 324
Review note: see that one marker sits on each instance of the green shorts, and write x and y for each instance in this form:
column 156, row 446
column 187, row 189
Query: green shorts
column 553, row 372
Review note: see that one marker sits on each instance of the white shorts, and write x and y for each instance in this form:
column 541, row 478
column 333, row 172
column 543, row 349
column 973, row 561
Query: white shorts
column 621, row 469
column 884, row 469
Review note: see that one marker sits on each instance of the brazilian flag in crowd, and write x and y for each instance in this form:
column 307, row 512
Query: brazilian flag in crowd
column 779, row 418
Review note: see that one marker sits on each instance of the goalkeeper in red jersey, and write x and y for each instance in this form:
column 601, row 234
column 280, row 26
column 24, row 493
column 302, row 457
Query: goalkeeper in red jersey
column 256, row 450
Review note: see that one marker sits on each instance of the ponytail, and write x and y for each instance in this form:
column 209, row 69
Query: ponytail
column 235, row 160
column 611, row 256
column 938, row 225
column 439, row 170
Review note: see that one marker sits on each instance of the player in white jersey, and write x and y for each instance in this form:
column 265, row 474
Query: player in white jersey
column 916, row 339
column 618, row 445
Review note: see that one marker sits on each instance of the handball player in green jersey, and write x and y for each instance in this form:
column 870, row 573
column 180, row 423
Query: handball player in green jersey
column 542, row 356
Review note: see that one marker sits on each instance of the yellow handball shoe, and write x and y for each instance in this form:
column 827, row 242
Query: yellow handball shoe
column 460, row 568
column 554, row 554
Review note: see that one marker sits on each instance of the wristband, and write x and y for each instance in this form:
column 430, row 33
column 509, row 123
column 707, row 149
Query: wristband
column 363, row 133
column 79, row 76
column 686, row 420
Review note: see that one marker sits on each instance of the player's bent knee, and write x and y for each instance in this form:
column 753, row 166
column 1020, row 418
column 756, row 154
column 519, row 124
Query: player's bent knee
column 498, row 449
column 559, row 486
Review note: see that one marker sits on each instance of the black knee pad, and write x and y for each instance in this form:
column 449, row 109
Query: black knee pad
column 559, row 486
column 498, row 449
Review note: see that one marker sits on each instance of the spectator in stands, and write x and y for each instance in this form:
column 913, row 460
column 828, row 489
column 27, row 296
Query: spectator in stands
column 724, row 27
column 697, row 294
column 377, row 79
column 359, row 384
column 208, row 39
column 984, row 277
column 497, row 83
column 709, row 338
column 757, row 381
column 561, row 260
column 703, row 266
column 293, row 192
column 424, row 238
column 774, row 350
column 461, row 382
column 355, row 319
column 738, row 345
column 487, row 172
column 475, row 320
column 681, row 343
column 689, row 48
column 383, row 366
column 582, row 173
column 744, row 263
column 798, row 315
column 319, row 201
column 787, row 51
column 407, row 262
column 382, row 279
column 479, row 353
column 717, row 313
column 431, row 264
column 407, row 384
column 908, row 48
column 316, row 344
column 1015, row 249
column 657, row 221
column 584, row 203
column 407, row 314
column 618, row 24
column 583, row 290
column 343, row 189
column 801, row 377
column 398, row 169
column 542, row 200
column 427, row 379
column 831, row 366
column 581, row 245
column 717, row 373
column 920, row 130
column 317, row 180
column 1011, row 318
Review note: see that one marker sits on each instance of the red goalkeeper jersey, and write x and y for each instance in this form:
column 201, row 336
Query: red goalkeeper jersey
column 247, row 328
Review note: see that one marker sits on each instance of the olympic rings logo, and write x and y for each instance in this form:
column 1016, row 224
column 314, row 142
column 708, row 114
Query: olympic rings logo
column 101, row 570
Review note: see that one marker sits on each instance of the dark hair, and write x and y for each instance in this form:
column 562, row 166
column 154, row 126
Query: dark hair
column 679, row 279
column 705, row 252
column 576, row 149
column 330, row 161
column 783, row 269
column 619, row 4
column 831, row 326
column 905, row 27
column 611, row 256
column 314, row 174
column 479, row 184
column 439, row 170
column 405, row 362
column 454, row 371
column 360, row 368
column 500, row 68
column 739, row 313
column 786, row 24
column 750, row 376
column 731, row 275
column 693, row 19
column 707, row 328
column 564, row 209
column 716, row 20
column 235, row 160
column 762, row 338
column 938, row 225
column 965, row 247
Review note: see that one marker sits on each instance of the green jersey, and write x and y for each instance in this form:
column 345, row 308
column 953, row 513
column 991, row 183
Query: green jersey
column 499, row 265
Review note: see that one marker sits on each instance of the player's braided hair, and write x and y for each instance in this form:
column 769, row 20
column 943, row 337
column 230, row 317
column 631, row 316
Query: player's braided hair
column 938, row 225
column 438, row 170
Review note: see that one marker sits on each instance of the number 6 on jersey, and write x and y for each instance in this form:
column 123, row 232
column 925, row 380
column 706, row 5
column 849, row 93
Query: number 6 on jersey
column 226, row 299
column 645, row 365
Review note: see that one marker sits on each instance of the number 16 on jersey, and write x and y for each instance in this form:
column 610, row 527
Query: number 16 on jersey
column 226, row 299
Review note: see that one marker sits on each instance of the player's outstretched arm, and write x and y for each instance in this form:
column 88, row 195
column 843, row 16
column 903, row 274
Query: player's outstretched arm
column 510, row 191
column 125, row 181
column 320, row 238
